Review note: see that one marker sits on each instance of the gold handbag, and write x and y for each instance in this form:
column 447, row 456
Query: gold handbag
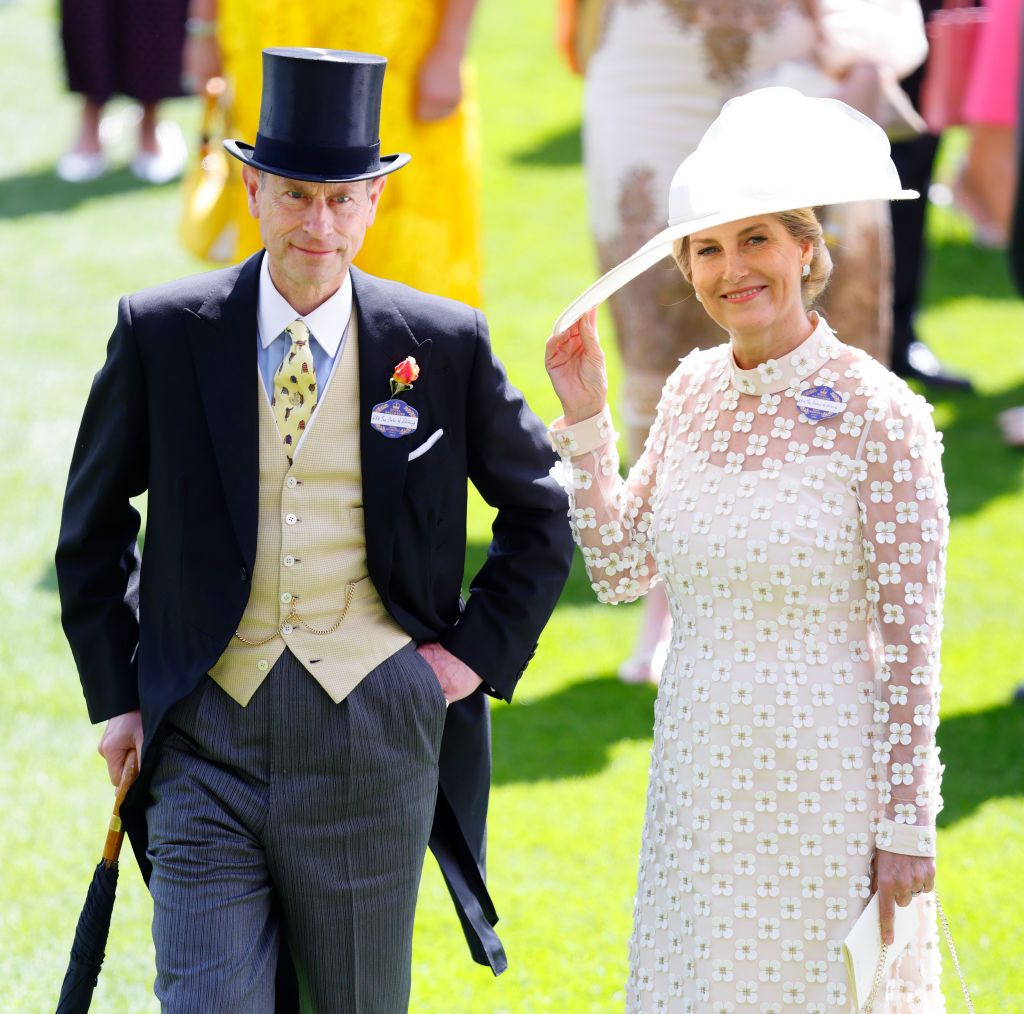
column 207, row 227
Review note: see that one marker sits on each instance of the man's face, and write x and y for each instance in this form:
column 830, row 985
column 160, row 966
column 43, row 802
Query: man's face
column 312, row 231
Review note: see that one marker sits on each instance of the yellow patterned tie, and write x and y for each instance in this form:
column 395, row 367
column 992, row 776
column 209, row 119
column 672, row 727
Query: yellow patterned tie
column 295, row 391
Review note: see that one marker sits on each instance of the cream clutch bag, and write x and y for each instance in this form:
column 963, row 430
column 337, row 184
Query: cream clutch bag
column 867, row 958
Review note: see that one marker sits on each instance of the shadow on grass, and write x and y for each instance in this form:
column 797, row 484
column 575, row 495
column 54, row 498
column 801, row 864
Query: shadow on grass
column 569, row 733
column 978, row 465
column 41, row 191
column 957, row 268
column 983, row 759
column 560, row 149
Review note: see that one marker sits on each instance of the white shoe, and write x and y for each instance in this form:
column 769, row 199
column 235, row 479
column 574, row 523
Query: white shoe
column 81, row 167
column 166, row 164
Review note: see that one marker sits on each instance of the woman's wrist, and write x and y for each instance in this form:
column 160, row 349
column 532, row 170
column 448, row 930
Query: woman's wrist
column 575, row 414
column 905, row 839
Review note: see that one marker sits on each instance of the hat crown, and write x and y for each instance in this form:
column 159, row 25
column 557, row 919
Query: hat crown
column 319, row 117
column 325, row 98
column 745, row 164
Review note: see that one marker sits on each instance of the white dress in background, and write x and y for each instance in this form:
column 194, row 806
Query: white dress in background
column 795, row 720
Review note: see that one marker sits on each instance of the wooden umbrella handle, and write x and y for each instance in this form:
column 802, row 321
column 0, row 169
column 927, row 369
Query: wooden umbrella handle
column 115, row 831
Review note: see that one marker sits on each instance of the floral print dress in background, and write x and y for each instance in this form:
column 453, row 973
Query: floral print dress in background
column 795, row 720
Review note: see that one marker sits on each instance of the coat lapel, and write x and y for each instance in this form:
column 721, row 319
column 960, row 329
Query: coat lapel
column 384, row 341
column 222, row 338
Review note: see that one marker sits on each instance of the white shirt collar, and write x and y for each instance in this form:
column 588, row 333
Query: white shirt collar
column 326, row 323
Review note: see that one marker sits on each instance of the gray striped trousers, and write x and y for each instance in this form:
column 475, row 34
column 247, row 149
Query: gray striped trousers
column 300, row 820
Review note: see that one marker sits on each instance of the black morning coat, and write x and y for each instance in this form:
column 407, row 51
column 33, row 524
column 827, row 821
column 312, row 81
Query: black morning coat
column 173, row 412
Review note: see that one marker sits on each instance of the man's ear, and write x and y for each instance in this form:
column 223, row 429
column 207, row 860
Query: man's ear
column 251, row 181
column 376, row 189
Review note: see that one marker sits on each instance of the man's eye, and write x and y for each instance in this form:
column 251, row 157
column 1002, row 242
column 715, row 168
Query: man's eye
column 343, row 198
column 294, row 194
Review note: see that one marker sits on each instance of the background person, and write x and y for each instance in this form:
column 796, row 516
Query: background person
column 431, row 238
column 986, row 185
column 790, row 497
column 118, row 47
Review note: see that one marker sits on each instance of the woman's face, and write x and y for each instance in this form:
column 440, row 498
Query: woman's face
column 748, row 273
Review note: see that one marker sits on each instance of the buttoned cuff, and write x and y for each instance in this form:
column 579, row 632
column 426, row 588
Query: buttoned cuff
column 583, row 437
column 905, row 839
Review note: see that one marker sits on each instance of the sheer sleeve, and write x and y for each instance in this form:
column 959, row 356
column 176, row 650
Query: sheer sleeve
column 611, row 517
column 905, row 519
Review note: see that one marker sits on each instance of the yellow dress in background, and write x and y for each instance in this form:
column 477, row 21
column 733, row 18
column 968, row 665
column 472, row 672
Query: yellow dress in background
column 427, row 233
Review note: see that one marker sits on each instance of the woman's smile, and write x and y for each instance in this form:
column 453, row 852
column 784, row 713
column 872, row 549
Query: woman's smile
column 744, row 295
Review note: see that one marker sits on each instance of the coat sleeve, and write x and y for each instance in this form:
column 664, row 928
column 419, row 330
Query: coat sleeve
column 98, row 561
column 514, row 593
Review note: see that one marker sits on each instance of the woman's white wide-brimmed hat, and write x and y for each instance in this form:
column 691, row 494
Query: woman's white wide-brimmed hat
column 771, row 150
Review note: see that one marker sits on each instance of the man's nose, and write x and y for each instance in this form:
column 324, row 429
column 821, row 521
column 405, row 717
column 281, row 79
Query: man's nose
column 318, row 218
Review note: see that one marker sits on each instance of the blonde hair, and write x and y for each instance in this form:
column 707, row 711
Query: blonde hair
column 802, row 224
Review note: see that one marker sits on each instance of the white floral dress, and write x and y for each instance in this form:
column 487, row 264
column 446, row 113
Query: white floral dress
column 795, row 722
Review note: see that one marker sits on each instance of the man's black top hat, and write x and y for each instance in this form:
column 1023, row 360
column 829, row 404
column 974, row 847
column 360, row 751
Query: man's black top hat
column 319, row 117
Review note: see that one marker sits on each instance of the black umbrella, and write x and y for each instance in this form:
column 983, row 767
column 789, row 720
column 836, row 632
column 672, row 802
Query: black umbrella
column 94, row 922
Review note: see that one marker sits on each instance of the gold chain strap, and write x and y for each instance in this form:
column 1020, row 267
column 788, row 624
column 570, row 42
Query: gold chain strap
column 952, row 954
column 869, row 1007
column 295, row 620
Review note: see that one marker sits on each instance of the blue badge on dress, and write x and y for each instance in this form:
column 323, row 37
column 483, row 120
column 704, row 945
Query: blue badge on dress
column 817, row 403
column 394, row 418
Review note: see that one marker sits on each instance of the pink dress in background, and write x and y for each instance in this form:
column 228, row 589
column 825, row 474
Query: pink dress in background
column 993, row 91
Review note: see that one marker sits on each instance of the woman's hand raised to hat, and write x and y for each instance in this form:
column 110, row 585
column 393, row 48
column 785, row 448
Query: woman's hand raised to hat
column 575, row 363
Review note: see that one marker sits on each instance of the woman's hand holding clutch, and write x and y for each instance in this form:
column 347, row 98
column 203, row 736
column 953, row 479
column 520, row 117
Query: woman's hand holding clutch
column 898, row 879
column 575, row 363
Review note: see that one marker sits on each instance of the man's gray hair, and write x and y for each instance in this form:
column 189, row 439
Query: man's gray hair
column 261, row 173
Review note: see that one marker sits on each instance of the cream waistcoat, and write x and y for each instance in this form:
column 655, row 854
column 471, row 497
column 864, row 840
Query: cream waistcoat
column 311, row 554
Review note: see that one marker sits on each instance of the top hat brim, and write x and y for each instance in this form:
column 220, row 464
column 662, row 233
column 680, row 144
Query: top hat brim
column 244, row 153
column 660, row 246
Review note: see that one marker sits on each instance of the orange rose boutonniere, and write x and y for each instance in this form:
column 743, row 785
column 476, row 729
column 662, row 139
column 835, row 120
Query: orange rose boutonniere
column 405, row 375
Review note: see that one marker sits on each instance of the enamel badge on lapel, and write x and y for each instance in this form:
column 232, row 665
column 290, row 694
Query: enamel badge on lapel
column 817, row 403
column 395, row 418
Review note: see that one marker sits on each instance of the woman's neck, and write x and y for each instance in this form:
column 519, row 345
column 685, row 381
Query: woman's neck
column 752, row 348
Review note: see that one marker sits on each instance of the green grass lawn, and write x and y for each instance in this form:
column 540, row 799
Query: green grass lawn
column 570, row 757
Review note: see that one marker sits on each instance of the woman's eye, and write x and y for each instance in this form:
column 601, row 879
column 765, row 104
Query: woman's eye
column 757, row 239
column 705, row 250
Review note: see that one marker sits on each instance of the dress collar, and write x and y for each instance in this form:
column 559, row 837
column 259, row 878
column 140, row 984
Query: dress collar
column 326, row 323
column 776, row 375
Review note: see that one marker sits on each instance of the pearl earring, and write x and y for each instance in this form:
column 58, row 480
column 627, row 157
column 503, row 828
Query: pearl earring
column 806, row 271
column 697, row 296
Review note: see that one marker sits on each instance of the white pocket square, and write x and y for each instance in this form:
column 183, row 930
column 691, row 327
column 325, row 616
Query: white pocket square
column 426, row 445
